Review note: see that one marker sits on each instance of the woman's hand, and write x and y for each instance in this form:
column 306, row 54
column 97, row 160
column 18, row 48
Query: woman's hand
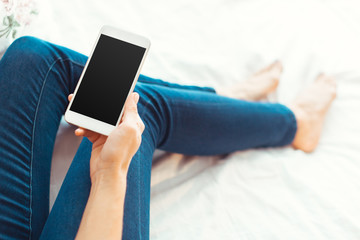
column 111, row 155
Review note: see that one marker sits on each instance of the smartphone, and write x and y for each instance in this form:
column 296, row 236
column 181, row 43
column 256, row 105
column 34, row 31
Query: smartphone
column 108, row 78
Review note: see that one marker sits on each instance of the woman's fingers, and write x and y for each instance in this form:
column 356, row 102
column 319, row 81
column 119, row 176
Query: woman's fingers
column 70, row 97
column 130, row 108
column 128, row 133
column 80, row 132
column 92, row 136
column 130, row 118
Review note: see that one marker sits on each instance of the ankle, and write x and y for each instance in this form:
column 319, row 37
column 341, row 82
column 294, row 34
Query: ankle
column 308, row 130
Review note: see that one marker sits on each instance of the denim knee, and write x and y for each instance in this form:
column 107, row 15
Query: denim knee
column 151, row 99
column 26, row 53
column 25, row 46
column 26, row 42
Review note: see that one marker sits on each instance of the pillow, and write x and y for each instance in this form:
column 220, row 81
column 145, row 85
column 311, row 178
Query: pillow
column 15, row 15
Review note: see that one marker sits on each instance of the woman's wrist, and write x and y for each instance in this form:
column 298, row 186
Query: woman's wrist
column 109, row 178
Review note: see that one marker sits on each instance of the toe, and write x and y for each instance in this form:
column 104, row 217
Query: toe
column 331, row 84
column 321, row 77
column 277, row 67
column 333, row 91
column 331, row 80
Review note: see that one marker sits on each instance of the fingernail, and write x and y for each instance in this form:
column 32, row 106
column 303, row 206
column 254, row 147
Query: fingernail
column 136, row 97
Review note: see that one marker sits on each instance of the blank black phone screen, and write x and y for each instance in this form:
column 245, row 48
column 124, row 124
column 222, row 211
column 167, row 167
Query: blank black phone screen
column 108, row 79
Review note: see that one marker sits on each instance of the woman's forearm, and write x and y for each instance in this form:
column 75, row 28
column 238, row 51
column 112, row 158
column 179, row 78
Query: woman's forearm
column 103, row 215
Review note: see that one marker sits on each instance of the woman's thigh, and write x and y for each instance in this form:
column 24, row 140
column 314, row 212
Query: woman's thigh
column 35, row 79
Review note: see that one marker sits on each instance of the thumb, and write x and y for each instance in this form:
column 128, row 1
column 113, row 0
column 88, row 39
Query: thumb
column 130, row 108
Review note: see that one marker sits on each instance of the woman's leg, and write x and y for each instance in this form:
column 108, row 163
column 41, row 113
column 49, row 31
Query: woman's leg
column 35, row 79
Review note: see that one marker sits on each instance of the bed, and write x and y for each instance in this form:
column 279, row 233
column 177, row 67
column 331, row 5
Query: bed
column 277, row 193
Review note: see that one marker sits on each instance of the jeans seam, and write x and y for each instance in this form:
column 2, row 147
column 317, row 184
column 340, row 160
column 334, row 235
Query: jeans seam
column 178, row 86
column 33, row 132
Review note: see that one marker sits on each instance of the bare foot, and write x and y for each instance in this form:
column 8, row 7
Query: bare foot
column 310, row 108
column 257, row 87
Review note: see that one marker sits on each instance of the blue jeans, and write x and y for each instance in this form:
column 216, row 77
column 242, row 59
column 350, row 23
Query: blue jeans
column 35, row 79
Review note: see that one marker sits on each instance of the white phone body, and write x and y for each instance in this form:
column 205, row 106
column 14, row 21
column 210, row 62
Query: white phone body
column 86, row 120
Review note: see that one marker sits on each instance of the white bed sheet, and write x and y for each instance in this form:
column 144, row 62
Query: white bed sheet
column 263, row 194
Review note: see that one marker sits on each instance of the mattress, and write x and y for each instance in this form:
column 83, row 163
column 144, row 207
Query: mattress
column 277, row 193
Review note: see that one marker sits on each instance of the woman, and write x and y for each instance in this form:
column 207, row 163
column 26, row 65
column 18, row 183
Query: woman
column 36, row 77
